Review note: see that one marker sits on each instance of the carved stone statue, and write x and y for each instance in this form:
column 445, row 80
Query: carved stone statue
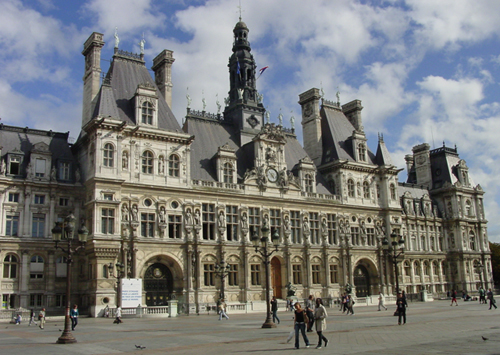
column 240, row 94
column 290, row 289
column 197, row 219
column 188, row 218
column 53, row 174
column 305, row 226
column 135, row 213
column 141, row 43
column 162, row 216
column 125, row 213
column 218, row 104
column 117, row 40
column 244, row 221
column 125, row 160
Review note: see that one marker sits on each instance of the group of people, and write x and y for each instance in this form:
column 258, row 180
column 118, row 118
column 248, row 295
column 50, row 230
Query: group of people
column 41, row 318
column 313, row 314
column 346, row 304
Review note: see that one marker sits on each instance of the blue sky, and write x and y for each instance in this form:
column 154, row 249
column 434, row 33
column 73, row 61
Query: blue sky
column 425, row 70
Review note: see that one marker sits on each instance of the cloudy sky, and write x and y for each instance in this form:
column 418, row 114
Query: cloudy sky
column 425, row 70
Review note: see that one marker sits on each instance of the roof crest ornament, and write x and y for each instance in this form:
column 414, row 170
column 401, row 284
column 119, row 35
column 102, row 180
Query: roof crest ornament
column 117, row 39
column 188, row 98
column 141, row 43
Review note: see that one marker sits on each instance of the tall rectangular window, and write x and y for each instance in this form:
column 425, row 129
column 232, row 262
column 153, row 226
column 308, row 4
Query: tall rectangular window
column 208, row 217
column 254, row 220
column 297, row 274
column 107, row 220
column 39, row 199
column 147, row 224
column 13, row 197
column 40, row 167
column 12, row 224
column 15, row 165
column 232, row 276
column 355, row 235
column 275, row 221
column 314, row 224
column 36, row 300
column 332, row 229
column 334, row 274
column 174, row 226
column 63, row 201
column 255, row 274
column 64, row 171
column 209, row 274
column 370, row 236
column 315, row 268
column 38, row 225
column 232, row 223
column 295, row 227
column 60, row 300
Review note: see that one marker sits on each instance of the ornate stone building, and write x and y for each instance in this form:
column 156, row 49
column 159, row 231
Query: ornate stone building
column 172, row 202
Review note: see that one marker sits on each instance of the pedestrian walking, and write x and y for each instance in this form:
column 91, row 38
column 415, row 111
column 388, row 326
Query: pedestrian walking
column 401, row 306
column 350, row 305
column 454, row 297
column 299, row 323
column 274, row 309
column 118, row 316
column 482, row 293
column 491, row 299
column 320, row 320
column 310, row 312
column 41, row 318
column 381, row 301
column 221, row 307
column 73, row 314
column 32, row 317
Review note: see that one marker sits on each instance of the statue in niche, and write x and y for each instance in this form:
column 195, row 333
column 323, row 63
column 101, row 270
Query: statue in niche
column 286, row 223
column 125, row 213
column 306, row 226
column 125, row 160
column 240, row 94
column 53, row 174
column 188, row 218
column 162, row 215
column 197, row 219
column 244, row 221
column 324, row 227
column 78, row 177
column 222, row 219
column 135, row 213
column 161, row 165
column 282, row 178
column 270, row 154
column 29, row 172
column 265, row 222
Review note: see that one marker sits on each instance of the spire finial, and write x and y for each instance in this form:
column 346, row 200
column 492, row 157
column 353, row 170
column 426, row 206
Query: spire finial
column 240, row 10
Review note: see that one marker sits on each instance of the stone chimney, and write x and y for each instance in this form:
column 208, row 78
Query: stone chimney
column 92, row 77
column 422, row 162
column 311, row 124
column 162, row 66
column 352, row 111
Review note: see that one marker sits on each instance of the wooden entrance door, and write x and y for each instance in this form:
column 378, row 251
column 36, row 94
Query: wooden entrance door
column 276, row 277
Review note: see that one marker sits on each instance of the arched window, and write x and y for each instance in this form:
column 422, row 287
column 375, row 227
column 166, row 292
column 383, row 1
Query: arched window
column 426, row 268
column 350, row 188
column 469, row 211
column 10, row 267
column 362, row 152
column 393, row 191
column 173, row 165
column 147, row 162
column 366, row 189
column 147, row 113
column 108, row 155
column 36, row 267
column 308, row 182
column 407, row 268
column 416, row 268
column 228, row 173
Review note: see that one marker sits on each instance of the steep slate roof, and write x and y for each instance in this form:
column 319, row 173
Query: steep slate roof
column 124, row 75
column 336, row 130
column 23, row 139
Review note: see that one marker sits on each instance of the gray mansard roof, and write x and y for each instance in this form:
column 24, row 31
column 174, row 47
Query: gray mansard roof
column 210, row 134
column 116, row 97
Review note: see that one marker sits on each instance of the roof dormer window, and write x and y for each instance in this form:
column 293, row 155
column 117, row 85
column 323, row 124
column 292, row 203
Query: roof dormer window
column 147, row 113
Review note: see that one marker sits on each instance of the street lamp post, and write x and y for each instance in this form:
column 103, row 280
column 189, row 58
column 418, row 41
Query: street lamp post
column 395, row 249
column 266, row 253
column 120, row 272
column 222, row 270
column 65, row 231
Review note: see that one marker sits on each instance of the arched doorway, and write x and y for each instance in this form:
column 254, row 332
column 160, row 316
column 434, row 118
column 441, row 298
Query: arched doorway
column 361, row 281
column 276, row 277
column 158, row 284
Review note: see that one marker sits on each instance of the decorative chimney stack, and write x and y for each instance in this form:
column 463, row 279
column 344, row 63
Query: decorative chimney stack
column 92, row 77
column 162, row 66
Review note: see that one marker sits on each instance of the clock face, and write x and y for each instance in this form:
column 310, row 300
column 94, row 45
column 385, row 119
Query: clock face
column 272, row 175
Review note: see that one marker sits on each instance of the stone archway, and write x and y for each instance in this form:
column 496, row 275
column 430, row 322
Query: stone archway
column 158, row 284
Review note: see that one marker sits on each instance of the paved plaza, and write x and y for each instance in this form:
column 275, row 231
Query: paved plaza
column 432, row 328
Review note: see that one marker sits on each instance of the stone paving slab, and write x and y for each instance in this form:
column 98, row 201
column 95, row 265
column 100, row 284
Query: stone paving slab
column 432, row 328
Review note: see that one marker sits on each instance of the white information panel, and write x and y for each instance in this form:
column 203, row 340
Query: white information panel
column 131, row 292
